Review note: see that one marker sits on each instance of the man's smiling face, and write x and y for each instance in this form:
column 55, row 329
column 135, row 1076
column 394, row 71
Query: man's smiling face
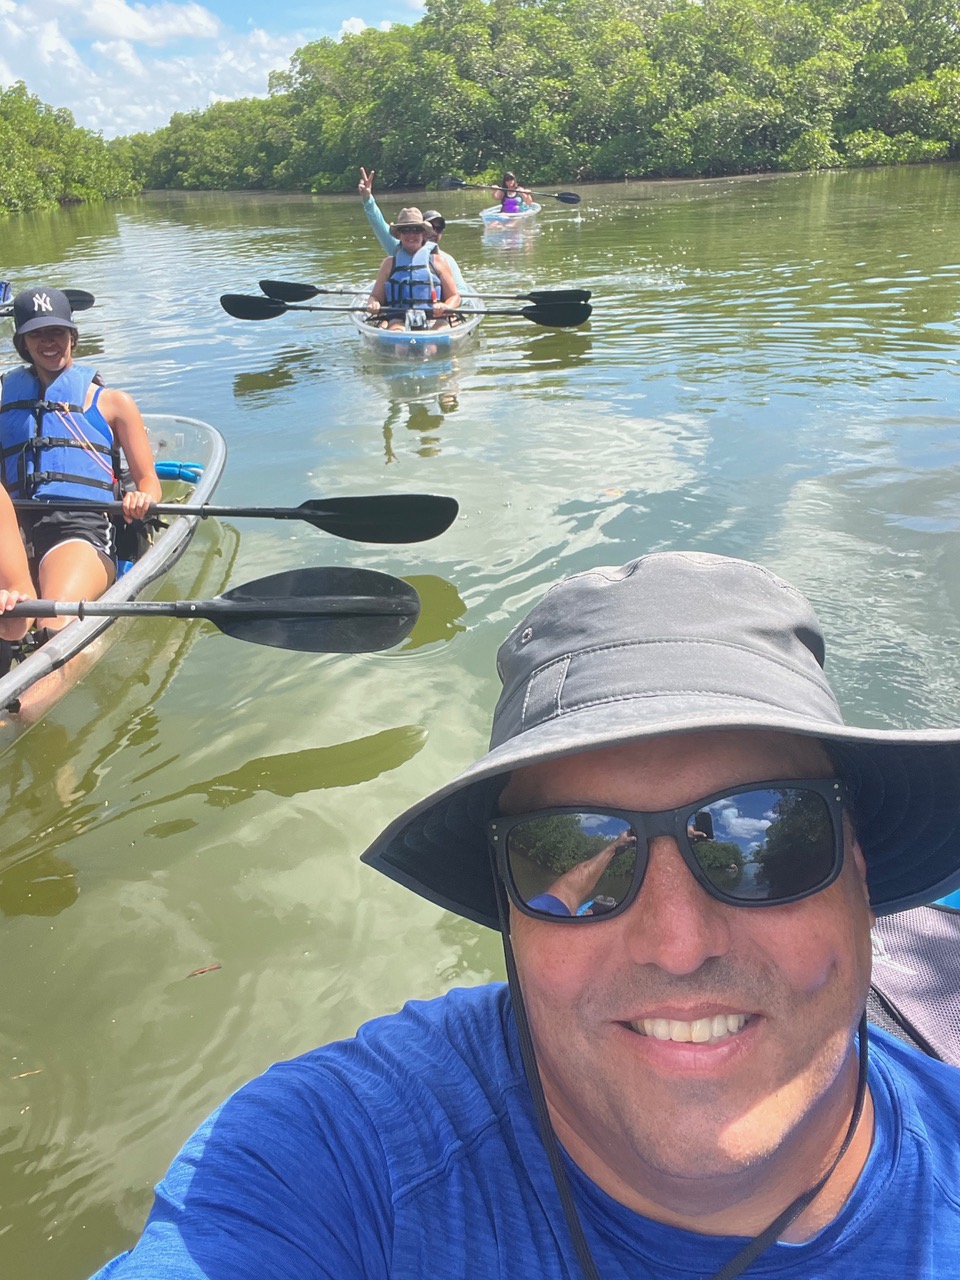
column 618, row 1008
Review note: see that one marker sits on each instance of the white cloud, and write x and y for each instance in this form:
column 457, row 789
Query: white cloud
column 155, row 24
column 353, row 26
column 125, row 83
column 121, row 54
column 122, row 67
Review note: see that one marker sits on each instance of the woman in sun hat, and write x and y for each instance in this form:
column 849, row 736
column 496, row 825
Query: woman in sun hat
column 61, row 432
column 416, row 278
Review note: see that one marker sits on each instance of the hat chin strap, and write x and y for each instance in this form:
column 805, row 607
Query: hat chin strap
column 744, row 1257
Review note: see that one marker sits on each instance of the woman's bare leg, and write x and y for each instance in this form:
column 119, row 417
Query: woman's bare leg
column 73, row 571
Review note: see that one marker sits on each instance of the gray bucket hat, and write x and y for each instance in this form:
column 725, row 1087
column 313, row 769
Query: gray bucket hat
column 671, row 643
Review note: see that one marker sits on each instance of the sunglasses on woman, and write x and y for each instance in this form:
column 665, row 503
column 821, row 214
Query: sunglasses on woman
column 760, row 845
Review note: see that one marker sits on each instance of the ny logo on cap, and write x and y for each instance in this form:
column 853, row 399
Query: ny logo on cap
column 41, row 302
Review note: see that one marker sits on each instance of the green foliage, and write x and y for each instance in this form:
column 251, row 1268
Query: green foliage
column 557, row 90
column 49, row 161
column 870, row 146
column 720, row 856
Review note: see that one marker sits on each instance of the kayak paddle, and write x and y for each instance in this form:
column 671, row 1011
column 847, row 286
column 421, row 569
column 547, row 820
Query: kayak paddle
column 319, row 610
column 384, row 517
column 551, row 315
column 457, row 184
column 291, row 291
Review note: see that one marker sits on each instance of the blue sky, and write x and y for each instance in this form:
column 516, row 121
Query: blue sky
column 126, row 65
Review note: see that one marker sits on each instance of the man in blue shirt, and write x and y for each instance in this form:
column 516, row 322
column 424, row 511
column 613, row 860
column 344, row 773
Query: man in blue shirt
column 683, row 847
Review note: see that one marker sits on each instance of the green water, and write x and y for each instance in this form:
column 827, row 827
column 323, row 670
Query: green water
column 771, row 371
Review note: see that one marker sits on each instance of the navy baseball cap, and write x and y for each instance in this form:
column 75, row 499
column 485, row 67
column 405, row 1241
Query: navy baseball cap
column 41, row 308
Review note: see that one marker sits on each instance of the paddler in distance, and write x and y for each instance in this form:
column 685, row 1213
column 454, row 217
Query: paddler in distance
column 61, row 432
column 511, row 197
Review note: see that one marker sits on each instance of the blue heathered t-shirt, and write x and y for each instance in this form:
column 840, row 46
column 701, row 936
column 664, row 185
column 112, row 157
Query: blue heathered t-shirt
column 411, row 1152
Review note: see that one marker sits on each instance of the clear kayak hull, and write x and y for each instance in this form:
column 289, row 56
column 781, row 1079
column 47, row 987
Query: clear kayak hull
column 417, row 344
column 495, row 217
column 34, row 685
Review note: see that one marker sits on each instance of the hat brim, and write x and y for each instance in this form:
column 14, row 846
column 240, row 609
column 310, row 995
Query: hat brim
column 44, row 322
column 904, row 786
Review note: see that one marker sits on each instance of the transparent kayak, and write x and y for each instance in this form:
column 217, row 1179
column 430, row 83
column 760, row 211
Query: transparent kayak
column 495, row 217
column 417, row 344
column 194, row 454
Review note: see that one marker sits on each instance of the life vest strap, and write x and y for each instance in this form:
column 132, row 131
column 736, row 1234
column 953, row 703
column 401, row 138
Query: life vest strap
column 39, row 443
column 43, row 406
column 39, row 478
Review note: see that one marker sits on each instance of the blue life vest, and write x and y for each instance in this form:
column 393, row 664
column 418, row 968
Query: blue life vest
column 50, row 447
column 413, row 281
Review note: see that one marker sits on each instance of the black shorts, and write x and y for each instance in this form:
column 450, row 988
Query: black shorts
column 42, row 533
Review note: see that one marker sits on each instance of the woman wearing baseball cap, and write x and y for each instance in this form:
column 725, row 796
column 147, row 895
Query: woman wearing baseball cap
column 61, row 432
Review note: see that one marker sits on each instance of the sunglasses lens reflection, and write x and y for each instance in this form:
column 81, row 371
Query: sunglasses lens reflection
column 572, row 863
column 766, row 845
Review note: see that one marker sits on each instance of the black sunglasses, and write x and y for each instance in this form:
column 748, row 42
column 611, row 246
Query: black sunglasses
column 402, row 231
column 760, row 845
column 438, row 224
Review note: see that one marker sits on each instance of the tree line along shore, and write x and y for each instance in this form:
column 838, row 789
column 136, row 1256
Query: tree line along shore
column 558, row 90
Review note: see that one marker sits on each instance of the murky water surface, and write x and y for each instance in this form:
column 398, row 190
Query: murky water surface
column 771, row 371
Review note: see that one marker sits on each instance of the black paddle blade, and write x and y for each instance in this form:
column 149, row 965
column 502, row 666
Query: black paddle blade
column 551, row 297
column 568, row 197
column 289, row 290
column 242, row 307
column 559, row 317
column 387, row 517
column 450, row 184
column 79, row 299
column 328, row 610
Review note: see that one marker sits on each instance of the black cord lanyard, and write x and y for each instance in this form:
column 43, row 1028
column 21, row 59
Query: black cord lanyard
column 753, row 1248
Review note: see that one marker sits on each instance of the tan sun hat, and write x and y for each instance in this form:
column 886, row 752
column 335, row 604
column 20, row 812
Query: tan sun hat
column 411, row 217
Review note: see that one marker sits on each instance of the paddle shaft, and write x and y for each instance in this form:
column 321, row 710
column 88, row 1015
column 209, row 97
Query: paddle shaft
column 205, row 511
column 318, row 607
